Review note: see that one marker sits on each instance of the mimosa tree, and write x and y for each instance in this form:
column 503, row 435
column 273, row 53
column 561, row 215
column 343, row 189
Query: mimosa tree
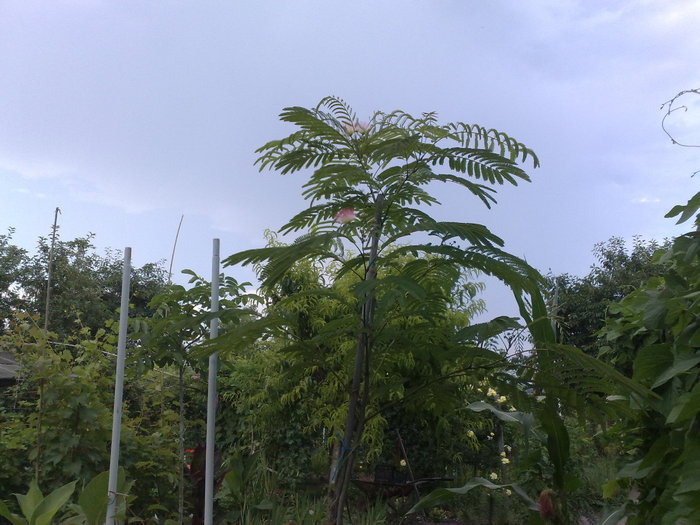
column 369, row 190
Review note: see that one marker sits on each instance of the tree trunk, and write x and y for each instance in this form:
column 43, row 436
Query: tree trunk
column 359, row 389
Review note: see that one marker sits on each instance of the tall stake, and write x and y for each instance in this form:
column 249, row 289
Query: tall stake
column 211, row 393
column 48, row 270
column 118, row 392
column 172, row 255
column 40, row 418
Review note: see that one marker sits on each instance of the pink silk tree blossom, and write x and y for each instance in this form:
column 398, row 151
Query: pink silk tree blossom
column 345, row 215
column 356, row 127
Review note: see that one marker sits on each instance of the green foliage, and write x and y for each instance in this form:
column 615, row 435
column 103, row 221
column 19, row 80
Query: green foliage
column 655, row 330
column 91, row 508
column 12, row 261
column 386, row 324
column 37, row 509
column 378, row 174
column 581, row 303
column 73, row 441
column 85, row 286
column 76, row 421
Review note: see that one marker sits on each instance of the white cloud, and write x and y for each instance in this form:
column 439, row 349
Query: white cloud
column 646, row 200
column 156, row 111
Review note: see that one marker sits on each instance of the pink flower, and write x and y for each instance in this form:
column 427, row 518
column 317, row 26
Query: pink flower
column 361, row 127
column 345, row 215
column 356, row 127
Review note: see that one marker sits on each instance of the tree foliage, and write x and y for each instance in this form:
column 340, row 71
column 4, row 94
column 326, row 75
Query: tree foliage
column 369, row 191
column 655, row 330
column 581, row 303
column 12, row 261
column 85, row 285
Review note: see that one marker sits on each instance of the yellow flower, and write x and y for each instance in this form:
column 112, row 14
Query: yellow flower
column 470, row 434
column 402, row 462
column 491, row 392
column 479, row 390
column 502, row 399
column 511, row 409
column 505, row 461
column 508, row 492
column 491, row 434
column 503, row 454
column 508, row 448
column 493, row 476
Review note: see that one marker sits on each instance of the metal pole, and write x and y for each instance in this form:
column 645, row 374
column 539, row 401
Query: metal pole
column 118, row 392
column 211, row 393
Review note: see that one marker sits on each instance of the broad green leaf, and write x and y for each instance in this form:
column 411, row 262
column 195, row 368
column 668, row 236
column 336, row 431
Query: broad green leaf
column 443, row 495
column 234, row 482
column 655, row 309
column 610, row 488
column 11, row 517
column 680, row 365
column 557, row 444
column 30, row 501
column 508, row 417
column 634, row 470
column 93, row 499
column 52, row 503
column 656, row 453
column 685, row 211
column 686, row 407
column 651, row 361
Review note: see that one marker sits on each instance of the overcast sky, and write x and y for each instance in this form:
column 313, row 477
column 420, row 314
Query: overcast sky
column 128, row 114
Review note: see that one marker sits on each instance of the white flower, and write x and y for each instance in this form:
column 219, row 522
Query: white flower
column 505, row 461
column 402, row 462
column 508, row 492
column 493, row 476
column 470, row 434
column 503, row 454
column 491, row 392
column 502, row 399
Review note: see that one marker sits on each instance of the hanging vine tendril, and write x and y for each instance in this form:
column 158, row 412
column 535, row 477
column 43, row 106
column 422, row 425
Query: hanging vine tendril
column 671, row 107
